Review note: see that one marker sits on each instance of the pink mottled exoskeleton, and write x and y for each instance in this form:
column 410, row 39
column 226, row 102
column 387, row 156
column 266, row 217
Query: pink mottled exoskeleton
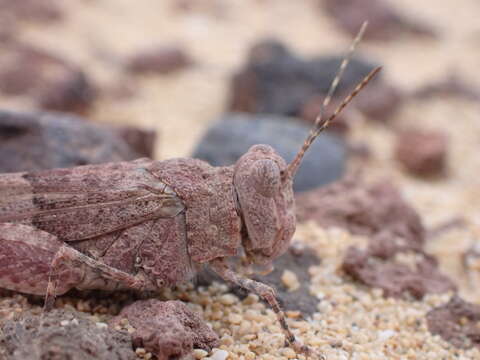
column 145, row 225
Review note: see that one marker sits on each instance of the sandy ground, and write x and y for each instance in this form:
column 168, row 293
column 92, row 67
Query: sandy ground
column 180, row 106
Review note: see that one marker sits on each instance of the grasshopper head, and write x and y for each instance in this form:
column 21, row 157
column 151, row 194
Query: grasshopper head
column 263, row 183
column 266, row 202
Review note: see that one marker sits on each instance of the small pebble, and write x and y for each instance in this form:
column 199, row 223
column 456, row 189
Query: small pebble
column 385, row 335
column 290, row 280
column 140, row 351
column 235, row 318
column 228, row 299
column 199, row 353
column 219, row 355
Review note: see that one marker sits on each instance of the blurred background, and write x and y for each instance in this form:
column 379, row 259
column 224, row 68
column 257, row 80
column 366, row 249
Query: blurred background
column 208, row 42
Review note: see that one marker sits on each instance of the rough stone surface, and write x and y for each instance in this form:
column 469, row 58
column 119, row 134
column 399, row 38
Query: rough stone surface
column 416, row 277
column 49, row 81
column 456, row 322
column 45, row 140
column 421, row 152
column 160, row 60
column 372, row 210
column 276, row 81
column 62, row 335
column 384, row 21
column 234, row 134
column 167, row 329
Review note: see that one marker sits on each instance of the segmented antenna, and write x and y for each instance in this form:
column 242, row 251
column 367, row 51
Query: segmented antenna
column 320, row 122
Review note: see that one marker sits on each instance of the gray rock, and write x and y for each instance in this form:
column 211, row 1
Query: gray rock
column 32, row 141
column 235, row 133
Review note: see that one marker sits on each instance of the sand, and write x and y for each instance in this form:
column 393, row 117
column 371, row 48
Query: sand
column 352, row 322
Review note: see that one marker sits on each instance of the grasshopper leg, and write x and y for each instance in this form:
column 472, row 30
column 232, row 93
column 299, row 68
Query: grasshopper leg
column 95, row 275
column 267, row 293
column 25, row 257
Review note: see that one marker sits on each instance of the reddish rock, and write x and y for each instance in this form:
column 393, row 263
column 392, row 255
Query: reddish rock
column 167, row 329
column 362, row 209
column 422, row 153
column 51, row 82
column 457, row 322
column 160, row 60
column 61, row 335
column 396, row 279
column 384, row 21
column 394, row 228
column 31, row 10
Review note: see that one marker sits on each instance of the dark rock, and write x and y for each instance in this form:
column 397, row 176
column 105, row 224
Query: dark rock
column 276, row 81
column 396, row 279
column 384, row 22
column 45, row 140
column 233, row 135
column 421, row 152
column 160, row 60
column 140, row 140
column 372, row 210
column 297, row 259
column 51, row 82
column 456, row 322
column 31, row 10
column 61, row 334
column 167, row 329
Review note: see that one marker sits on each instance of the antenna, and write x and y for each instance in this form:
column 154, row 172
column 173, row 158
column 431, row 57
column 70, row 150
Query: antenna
column 320, row 122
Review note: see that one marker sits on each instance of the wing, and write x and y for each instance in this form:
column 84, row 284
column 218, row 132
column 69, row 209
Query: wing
column 86, row 201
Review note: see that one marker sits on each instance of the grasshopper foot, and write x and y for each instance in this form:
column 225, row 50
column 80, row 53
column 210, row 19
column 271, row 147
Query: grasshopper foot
column 309, row 353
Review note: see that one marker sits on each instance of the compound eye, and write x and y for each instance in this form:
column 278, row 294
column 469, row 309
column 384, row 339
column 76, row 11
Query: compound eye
column 267, row 177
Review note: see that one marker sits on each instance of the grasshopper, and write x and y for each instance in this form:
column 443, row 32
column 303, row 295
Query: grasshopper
column 145, row 225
